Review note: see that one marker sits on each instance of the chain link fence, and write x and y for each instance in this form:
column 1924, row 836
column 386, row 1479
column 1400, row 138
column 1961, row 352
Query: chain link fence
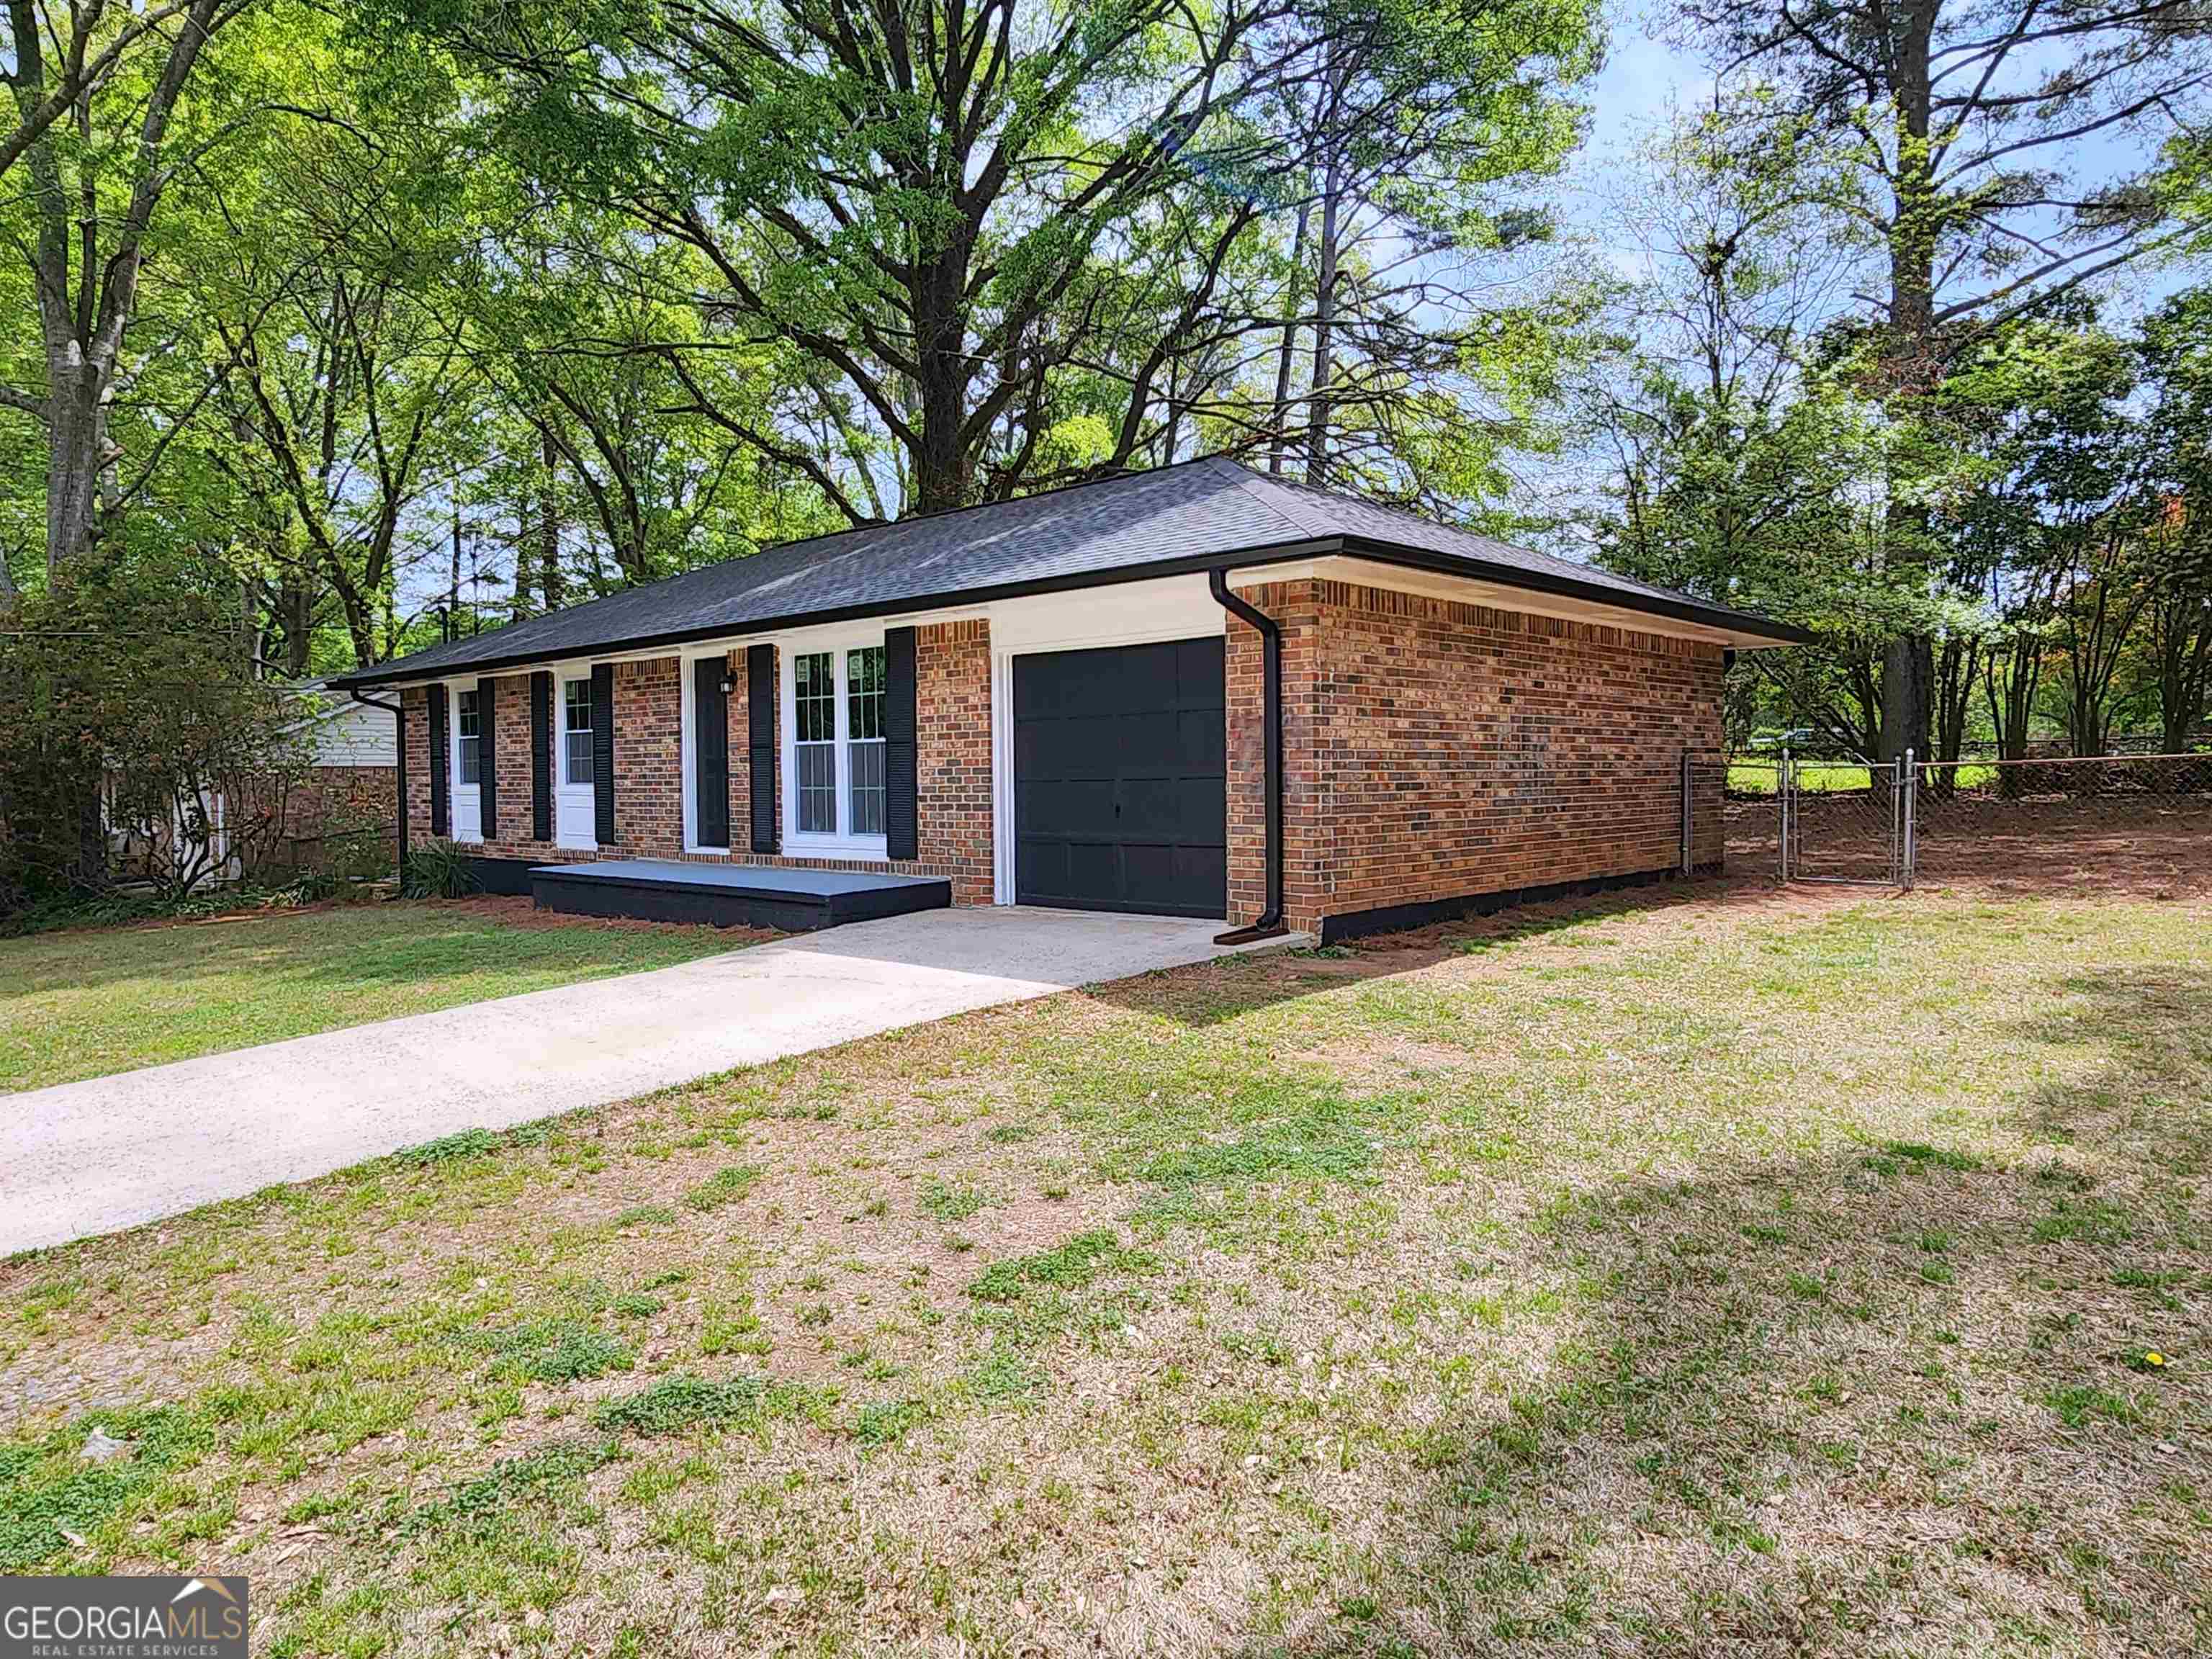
column 2125, row 822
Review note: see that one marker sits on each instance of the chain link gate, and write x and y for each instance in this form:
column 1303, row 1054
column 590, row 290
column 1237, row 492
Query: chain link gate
column 1834, row 828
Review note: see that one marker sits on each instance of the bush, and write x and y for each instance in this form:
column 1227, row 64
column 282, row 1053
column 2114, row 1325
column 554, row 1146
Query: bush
column 140, row 746
column 437, row 869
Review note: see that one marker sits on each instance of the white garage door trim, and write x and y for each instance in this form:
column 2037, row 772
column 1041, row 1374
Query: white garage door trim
column 1134, row 613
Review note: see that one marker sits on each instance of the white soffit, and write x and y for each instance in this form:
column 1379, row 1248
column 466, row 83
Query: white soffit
column 1498, row 596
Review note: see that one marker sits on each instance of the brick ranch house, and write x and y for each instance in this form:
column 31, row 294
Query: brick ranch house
column 1200, row 691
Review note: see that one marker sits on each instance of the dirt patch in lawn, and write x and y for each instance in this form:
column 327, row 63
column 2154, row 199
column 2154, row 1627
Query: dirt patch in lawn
column 1692, row 1272
column 2145, row 845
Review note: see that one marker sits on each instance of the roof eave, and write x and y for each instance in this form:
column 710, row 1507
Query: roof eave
column 1566, row 586
column 398, row 673
column 1758, row 629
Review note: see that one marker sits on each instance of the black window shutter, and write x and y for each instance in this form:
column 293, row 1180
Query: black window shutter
column 901, row 807
column 710, row 750
column 541, row 756
column 440, row 760
column 602, row 753
column 488, row 756
column 760, row 742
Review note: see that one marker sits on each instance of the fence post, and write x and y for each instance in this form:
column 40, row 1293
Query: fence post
column 1782, row 808
column 1912, row 847
column 1687, row 826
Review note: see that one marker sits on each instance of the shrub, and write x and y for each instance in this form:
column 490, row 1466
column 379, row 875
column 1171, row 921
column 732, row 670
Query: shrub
column 437, row 869
column 140, row 745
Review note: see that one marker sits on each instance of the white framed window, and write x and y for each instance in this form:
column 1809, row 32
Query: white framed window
column 577, row 760
column 465, row 764
column 814, row 734
column 864, row 739
column 468, row 739
column 833, row 748
column 576, row 806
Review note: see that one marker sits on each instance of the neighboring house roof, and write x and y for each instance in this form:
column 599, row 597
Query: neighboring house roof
column 1196, row 516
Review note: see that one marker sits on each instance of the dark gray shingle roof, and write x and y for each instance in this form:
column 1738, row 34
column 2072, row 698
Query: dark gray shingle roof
column 1188, row 517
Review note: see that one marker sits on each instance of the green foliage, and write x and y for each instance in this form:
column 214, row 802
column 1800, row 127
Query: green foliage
column 676, row 1405
column 447, row 1149
column 553, row 1350
column 438, row 869
column 888, row 1420
column 140, row 746
column 48, row 1489
column 1066, row 1267
column 723, row 1186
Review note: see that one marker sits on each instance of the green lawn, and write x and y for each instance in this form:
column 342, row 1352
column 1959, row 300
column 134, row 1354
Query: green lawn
column 1823, row 1275
column 84, row 1004
column 1757, row 778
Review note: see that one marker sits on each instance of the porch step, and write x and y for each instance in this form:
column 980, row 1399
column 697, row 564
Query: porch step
column 732, row 895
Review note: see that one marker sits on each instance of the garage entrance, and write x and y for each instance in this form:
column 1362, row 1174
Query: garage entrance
column 1121, row 790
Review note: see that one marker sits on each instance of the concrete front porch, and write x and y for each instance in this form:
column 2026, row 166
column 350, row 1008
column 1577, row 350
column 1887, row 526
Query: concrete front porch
column 733, row 894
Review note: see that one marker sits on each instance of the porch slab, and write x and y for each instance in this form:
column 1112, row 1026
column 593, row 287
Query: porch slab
column 733, row 894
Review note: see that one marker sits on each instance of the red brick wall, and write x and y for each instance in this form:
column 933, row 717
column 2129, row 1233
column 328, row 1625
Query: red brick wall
column 510, row 719
column 342, row 799
column 649, row 759
column 415, row 721
column 953, row 664
column 1435, row 750
column 952, row 760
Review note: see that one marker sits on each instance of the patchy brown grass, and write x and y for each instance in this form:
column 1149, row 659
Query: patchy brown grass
column 1708, row 1270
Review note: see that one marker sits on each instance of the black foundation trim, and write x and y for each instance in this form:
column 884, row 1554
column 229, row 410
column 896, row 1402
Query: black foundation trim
column 1398, row 918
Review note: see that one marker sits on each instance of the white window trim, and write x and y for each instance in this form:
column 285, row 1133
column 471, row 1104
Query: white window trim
column 571, row 801
column 797, row 843
column 687, row 663
column 456, row 793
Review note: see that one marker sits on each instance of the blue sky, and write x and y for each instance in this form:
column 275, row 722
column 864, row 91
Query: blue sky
column 1645, row 79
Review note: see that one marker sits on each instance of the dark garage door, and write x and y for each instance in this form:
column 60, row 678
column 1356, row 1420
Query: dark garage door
column 1120, row 792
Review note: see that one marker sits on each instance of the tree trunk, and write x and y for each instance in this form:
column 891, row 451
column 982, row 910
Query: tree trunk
column 295, row 609
column 1912, row 368
column 1908, row 674
column 548, row 522
column 1286, row 353
column 86, row 293
column 75, row 438
column 1324, row 352
column 944, row 472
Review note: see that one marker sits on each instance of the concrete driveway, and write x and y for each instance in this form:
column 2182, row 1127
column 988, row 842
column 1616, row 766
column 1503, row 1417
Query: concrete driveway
column 114, row 1151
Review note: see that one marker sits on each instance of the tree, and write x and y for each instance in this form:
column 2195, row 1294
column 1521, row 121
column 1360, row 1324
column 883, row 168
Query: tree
column 2174, row 354
column 1007, row 244
column 1966, row 126
column 1415, row 141
column 1741, row 465
column 136, row 719
column 91, row 209
column 905, row 193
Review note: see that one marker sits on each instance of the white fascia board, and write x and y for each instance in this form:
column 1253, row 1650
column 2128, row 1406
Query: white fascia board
column 1496, row 596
